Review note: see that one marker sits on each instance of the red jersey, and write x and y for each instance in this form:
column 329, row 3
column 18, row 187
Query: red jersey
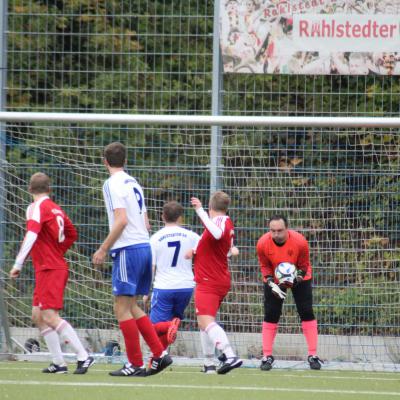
column 55, row 234
column 295, row 251
column 211, row 259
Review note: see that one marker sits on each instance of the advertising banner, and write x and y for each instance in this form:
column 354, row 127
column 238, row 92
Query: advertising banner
column 346, row 37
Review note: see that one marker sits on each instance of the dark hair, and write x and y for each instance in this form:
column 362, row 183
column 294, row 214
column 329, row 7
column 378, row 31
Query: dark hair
column 172, row 211
column 39, row 183
column 115, row 154
column 278, row 217
column 219, row 201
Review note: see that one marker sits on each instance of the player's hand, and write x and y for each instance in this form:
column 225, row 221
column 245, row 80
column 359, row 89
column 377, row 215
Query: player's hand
column 234, row 251
column 99, row 257
column 300, row 274
column 277, row 291
column 196, row 203
column 145, row 300
column 189, row 254
column 14, row 273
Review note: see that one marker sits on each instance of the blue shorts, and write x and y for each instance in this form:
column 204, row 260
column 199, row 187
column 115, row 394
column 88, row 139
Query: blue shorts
column 169, row 303
column 131, row 273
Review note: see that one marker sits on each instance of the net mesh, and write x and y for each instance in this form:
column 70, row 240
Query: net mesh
column 347, row 210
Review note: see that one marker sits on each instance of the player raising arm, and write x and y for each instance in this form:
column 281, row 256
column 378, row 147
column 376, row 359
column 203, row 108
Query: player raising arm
column 283, row 245
column 173, row 281
column 213, row 279
column 49, row 235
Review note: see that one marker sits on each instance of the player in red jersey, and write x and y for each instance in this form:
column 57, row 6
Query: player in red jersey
column 213, row 279
column 49, row 235
column 279, row 245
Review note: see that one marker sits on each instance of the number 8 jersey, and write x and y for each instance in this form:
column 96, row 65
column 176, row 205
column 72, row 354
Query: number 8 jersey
column 55, row 234
column 120, row 190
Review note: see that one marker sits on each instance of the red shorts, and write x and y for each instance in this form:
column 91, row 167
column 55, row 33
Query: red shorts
column 207, row 300
column 49, row 289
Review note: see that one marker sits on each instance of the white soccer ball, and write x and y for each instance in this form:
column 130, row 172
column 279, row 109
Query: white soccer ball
column 285, row 274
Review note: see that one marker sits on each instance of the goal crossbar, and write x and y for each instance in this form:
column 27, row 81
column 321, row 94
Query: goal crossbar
column 202, row 120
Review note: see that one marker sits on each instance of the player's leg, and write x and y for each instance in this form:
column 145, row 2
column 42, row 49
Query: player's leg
column 130, row 332
column 161, row 313
column 123, row 291
column 51, row 301
column 207, row 303
column 181, row 299
column 52, row 341
column 272, row 314
column 139, row 272
column 302, row 294
column 208, row 348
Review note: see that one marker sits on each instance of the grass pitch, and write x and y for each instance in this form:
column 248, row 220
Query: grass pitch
column 24, row 381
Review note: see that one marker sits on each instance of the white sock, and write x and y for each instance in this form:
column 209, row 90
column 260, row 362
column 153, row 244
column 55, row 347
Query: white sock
column 218, row 336
column 208, row 348
column 53, row 344
column 67, row 332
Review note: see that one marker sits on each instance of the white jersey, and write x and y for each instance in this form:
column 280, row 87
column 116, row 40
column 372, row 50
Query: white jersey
column 123, row 191
column 169, row 246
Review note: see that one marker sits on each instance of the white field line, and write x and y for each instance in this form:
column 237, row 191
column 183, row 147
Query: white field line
column 207, row 387
column 197, row 372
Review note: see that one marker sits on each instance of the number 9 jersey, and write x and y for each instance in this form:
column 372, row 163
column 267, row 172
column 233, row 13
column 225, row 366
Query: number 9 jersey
column 55, row 234
column 121, row 190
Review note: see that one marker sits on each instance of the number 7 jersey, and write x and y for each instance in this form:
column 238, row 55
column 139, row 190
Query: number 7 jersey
column 121, row 190
column 55, row 234
column 169, row 246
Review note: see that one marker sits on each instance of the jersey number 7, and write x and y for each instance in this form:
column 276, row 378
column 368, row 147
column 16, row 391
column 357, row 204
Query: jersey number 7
column 177, row 246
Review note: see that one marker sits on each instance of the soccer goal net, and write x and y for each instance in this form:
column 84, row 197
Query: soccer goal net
column 338, row 186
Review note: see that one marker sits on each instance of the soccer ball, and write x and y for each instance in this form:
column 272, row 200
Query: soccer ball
column 285, row 274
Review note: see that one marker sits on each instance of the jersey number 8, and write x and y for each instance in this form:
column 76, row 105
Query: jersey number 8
column 60, row 223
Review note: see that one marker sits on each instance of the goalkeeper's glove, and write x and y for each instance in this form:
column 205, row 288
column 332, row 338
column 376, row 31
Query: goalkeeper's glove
column 300, row 274
column 276, row 290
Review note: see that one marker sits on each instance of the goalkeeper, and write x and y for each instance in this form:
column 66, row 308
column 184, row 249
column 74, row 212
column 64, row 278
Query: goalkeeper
column 279, row 245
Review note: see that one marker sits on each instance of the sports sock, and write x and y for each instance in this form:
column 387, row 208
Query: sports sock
column 208, row 348
column 164, row 340
column 132, row 341
column 52, row 341
column 218, row 336
column 67, row 333
column 310, row 331
column 149, row 334
column 269, row 331
column 162, row 327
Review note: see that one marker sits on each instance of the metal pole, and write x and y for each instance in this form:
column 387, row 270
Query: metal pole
column 216, row 130
column 3, row 99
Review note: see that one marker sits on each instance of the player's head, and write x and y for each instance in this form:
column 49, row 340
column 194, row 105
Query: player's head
column 172, row 212
column 39, row 184
column 219, row 202
column 278, row 226
column 115, row 154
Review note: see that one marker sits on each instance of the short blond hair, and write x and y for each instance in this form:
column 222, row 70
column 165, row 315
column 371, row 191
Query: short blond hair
column 220, row 201
column 39, row 183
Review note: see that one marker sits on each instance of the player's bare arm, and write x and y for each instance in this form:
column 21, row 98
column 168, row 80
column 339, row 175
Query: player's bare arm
column 120, row 221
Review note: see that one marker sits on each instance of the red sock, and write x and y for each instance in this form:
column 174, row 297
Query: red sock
column 149, row 334
column 132, row 342
column 162, row 327
column 164, row 340
column 310, row 331
column 269, row 331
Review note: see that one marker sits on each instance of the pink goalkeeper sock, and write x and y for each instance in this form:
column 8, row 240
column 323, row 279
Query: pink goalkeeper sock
column 310, row 331
column 269, row 331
